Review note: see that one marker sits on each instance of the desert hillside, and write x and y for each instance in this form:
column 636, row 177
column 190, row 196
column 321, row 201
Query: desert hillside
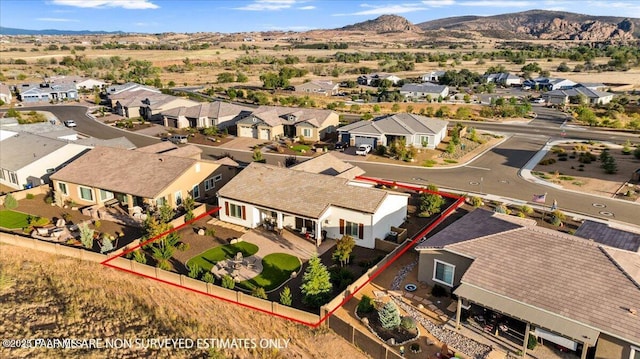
column 543, row 25
column 49, row 296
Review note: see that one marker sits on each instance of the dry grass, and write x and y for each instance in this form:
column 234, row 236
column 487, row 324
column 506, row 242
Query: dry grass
column 49, row 296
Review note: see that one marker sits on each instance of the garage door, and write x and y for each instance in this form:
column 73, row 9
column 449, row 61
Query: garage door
column 361, row 140
column 264, row 134
column 245, row 131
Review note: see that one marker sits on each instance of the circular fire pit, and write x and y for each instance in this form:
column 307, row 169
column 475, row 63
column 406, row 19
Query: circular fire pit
column 410, row 287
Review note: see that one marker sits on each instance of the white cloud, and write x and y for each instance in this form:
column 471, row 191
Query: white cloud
column 309, row 7
column 387, row 9
column 497, row 3
column 125, row 4
column 55, row 19
column 268, row 5
column 438, row 3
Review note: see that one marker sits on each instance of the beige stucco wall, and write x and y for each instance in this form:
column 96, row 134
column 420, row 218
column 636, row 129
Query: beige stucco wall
column 612, row 348
column 426, row 265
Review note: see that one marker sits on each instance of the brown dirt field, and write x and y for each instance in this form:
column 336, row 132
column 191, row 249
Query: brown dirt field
column 49, row 296
column 592, row 179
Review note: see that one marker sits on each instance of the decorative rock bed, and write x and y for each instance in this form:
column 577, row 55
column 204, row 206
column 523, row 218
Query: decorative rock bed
column 453, row 339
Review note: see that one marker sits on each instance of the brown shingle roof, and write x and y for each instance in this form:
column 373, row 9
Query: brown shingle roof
column 298, row 192
column 125, row 171
column 328, row 164
column 555, row 272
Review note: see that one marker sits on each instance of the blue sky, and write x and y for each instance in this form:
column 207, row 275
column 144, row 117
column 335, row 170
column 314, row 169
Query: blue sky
column 153, row 16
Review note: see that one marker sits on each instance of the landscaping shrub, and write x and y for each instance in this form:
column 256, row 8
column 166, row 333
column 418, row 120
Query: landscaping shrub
column 429, row 163
column 228, row 282
column 139, row 257
column 562, row 158
column 526, row 209
column 439, row 291
column 365, row 305
column 259, row 292
column 408, row 323
column 48, row 199
column 636, row 153
column 285, row 296
column 389, row 316
column 532, row 342
column 341, row 277
column 586, row 157
column 381, row 150
column 211, row 232
column 208, row 277
column 30, row 196
column 194, row 271
column 548, row 161
column 476, row 201
column 10, row 202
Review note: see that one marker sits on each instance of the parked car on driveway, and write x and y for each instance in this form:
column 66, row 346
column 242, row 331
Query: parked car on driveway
column 70, row 123
column 363, row 150
column 341, row 146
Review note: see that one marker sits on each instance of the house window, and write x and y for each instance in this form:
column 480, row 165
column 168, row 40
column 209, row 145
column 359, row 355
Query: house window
column 63, row 188
column 86, row 193
column 209, row 183
column 355, row 230
column 635, row 353
column 2, row 174
column 306, row 132
column 443, row 273
column 234, row 210
column 195, row 192
column 178, row 198
column 105, row 195
column 160, row 202
column 424, row 140
column 13, row 178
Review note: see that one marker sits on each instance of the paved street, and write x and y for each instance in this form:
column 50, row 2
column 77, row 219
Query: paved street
column 495, row 173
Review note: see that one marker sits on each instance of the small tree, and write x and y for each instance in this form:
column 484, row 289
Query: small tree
column 257, row 155
column 285, row 296
column 188, row 204
column 228, row 282
column 609, row 164
column 389, row 316
column 316, row 283
column 430, row 204
column 10, row 202
column 365, row 305
column 344, row 247
column 86, row 235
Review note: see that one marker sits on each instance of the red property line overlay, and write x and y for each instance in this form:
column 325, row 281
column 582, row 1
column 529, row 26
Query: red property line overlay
column 419, row 236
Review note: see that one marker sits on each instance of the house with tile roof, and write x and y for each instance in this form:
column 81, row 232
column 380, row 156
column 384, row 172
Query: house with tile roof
column 273, row 122
column 423, row 91
column 577, row 293
column 141, row 177
column 46, row 92
column 416, row 130
column 28, row 160
column 209, row 114
column 328, row 164
column 317, row 205
column 147, row 105
column 565, row 96
column 318, row 87
column 503, row 78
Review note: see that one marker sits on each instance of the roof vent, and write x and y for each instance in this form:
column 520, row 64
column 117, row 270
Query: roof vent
column 161, row 160
column 633, row 311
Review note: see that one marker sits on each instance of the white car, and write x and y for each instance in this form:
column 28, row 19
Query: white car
column 70, row 123
column 363, row 150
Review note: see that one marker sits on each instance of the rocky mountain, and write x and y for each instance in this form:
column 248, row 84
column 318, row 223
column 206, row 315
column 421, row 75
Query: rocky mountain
column 382, row 24
column 14, row 31
column 544, row 25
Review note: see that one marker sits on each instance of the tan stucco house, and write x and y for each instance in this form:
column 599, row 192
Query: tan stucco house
column 273, row 122
column 574, row 292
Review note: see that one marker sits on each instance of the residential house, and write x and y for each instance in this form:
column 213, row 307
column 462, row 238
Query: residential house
column 81, row 83
column 46, row 129
column 209, row 114
column 147, row 105
column 47, row 92
column 562, row 97
column 326, row 88
column 138, row 177
column 419, row 131
column 433, row 76
column 596, row 86
column 567, row 290
column 5, row 93
column 423, row 91
column 375, row 79
column 549, row 84
column 273, row 122
column 320, row 206
column 27, row 160
column 130, row 87
column 503, row 78
column 328, row 164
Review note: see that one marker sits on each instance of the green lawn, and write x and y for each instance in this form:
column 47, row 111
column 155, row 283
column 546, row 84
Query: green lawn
column 208, row 258
column 277, row 268
column 299, row 148
column 13, row 220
